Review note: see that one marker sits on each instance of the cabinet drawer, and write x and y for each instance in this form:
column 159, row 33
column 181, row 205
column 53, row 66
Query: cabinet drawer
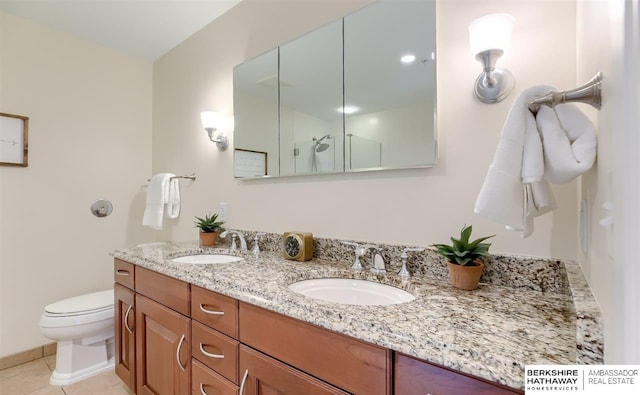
column 217, row 311
column 415, row 377
column 217, row 351
column 266, row 375
column 206, row 381
column 350, row 364
column 163, row 289
column 123, row 273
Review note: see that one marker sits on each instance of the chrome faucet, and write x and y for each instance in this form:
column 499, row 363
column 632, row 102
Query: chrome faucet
column 234, row 233
column 378, row 263
column 256, row 245
column 357, row 265
column 404, row 272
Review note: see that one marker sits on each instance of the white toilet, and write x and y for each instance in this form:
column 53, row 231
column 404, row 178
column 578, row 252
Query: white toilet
column 84, row 328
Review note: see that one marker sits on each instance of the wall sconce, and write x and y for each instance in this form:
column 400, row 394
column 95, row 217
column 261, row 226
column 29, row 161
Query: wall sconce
column 489, row 36
column 211, row 120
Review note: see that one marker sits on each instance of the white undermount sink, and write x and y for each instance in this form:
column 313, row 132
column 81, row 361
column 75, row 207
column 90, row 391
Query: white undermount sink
column 207, row 259
column 351, row 291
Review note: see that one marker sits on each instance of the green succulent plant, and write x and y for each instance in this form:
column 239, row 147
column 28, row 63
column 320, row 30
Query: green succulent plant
column 462, row 251
column 209, row 223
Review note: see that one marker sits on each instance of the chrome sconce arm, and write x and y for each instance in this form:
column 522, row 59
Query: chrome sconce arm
column 222, row 142
column 493, row 84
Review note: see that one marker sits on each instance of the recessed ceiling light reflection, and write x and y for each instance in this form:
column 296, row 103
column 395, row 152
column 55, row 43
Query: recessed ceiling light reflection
column 348, row 109
column 409, row 58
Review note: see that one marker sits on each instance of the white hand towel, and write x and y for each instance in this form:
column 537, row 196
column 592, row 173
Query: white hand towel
column 569, row 140
column 173, row 201
column 505, row 197
column 157, row 196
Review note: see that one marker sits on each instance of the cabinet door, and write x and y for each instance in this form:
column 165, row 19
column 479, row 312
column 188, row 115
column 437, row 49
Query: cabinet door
column 163, row 349
column 263, row 375
column 125, row 335
column 415, row 377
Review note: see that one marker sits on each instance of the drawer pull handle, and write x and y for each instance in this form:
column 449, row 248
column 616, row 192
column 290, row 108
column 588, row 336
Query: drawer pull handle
column 202, row 389
column 184, row 369
column 244, row 379
column 210, row 311
column 202, row 350
column 126, row 319
column 121, row 272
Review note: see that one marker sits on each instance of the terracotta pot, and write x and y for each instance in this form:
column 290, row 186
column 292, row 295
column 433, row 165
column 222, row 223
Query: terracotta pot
column 208, row 239
column 465, row 277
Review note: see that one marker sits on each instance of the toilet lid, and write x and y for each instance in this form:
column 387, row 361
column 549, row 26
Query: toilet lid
column 97, row 301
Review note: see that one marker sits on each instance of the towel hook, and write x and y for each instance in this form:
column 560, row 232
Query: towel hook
column 589, row 93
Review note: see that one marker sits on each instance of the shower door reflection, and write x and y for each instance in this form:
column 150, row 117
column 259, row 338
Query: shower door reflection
column 315, row 156
column 363, row 153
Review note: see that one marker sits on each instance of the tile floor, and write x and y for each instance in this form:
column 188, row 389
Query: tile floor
column 32, row 378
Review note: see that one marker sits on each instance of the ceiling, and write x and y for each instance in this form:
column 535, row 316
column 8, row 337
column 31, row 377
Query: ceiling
column 142, row 28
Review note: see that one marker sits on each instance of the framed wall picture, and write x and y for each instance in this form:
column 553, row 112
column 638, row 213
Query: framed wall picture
column 14, row 138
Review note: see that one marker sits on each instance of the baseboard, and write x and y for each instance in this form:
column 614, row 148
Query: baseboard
column 27, row 356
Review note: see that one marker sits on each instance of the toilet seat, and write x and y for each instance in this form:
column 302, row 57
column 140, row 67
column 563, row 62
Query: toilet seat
column 84, row 309
column 82, row 304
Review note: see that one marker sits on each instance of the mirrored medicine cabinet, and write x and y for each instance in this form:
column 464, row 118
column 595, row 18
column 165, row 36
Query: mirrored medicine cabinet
column 358, row 94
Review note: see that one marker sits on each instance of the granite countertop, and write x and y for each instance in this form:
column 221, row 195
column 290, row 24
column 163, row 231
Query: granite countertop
column 491, row 332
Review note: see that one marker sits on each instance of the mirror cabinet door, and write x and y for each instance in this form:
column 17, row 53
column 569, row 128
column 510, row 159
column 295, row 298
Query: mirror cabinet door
column 255, row 106
column 340, row 98
column 311, row 126
column 390, row 122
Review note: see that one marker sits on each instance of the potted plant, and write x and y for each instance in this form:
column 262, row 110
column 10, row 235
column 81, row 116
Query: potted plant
column 209, row 227
column 463, row 259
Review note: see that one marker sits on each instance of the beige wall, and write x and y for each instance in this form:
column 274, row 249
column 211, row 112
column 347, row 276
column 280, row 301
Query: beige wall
column 411, row 206
column 89, row 138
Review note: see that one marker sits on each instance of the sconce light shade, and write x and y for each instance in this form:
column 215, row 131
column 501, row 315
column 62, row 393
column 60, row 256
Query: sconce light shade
column 489, row 36
column 490, row 32
column 211, row 121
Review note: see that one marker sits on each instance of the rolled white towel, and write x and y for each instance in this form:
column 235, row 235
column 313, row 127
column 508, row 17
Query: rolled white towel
column 504, row 197
column 569, row 140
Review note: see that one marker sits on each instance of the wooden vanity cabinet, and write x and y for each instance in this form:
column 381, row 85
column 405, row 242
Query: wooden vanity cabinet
column 173, row 338
column 415, row 377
